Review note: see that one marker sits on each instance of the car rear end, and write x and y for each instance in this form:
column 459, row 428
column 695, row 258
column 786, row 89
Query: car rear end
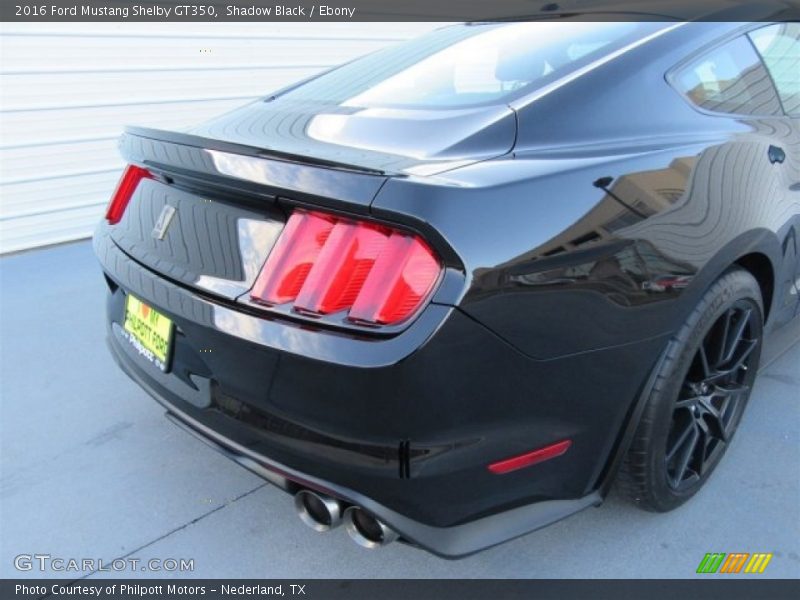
column 300, row 309
column 310, row 342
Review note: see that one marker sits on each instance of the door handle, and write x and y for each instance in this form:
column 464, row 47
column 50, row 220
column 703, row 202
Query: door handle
column 776, row 154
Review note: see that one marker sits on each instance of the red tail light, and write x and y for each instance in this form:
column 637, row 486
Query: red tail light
column 125, row 188
column 324, row 264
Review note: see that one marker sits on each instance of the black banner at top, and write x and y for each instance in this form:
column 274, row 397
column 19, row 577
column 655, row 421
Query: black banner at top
column 395, row 10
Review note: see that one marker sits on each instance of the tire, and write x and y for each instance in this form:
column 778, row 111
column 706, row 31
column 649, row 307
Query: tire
column 692, row 410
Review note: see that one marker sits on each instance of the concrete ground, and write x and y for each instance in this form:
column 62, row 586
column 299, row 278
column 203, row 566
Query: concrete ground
column 91, row 469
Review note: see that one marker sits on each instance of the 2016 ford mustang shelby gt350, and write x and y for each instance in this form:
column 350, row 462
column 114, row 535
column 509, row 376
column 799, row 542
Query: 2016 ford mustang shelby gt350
column 449, row 291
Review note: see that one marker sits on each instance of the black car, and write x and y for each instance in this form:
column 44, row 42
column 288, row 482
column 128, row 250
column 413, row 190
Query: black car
column 445, row 292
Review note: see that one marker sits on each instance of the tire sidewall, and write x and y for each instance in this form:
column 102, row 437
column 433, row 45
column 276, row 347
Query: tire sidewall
column 731, row 288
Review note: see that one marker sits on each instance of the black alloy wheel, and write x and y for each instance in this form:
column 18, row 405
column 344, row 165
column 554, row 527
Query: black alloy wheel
column 700, row 391
column 713, row 395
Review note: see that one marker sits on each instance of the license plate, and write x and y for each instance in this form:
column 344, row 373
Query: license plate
column 148, row 331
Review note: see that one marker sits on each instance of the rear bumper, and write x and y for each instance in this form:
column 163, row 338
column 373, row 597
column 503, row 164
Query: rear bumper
column 448, row 542
column 403, row 427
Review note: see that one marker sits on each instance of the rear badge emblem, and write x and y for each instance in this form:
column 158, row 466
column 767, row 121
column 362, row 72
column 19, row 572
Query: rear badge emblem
column 164, row 219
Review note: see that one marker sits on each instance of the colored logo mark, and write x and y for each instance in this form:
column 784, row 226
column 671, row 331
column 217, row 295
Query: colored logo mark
column 735, row 562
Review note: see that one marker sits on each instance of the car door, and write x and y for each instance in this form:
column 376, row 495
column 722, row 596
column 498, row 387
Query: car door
column 779, row 47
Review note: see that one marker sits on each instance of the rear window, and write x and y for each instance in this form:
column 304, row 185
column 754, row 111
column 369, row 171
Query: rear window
column 470, row 65
column 779, row 46
column 730, row 79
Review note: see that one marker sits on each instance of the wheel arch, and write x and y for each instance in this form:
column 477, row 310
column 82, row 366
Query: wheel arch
column 757, row 251
column 761, row 268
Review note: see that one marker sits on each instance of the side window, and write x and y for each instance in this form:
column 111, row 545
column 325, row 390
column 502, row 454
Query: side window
column 729, row 79
column 779, row 46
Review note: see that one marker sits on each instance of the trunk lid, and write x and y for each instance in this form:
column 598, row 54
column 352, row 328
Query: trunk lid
column 223, row 183
column 213, row 210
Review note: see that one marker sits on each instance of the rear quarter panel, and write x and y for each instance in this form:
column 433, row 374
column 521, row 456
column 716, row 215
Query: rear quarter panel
column 557, row 265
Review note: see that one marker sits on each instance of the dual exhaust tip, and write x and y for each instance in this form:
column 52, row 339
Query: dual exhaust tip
column 323, row 513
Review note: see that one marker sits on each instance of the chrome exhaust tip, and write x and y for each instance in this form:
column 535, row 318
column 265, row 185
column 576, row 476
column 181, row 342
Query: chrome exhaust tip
column 366, row 530
column 318, row 511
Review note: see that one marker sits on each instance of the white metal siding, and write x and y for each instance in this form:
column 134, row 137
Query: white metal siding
column 67, row 90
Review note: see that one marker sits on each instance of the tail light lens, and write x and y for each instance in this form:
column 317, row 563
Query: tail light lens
column 324, row 264
column 125, row 188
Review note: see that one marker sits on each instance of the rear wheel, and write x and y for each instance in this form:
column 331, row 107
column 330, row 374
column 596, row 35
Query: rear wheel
column 699, row 395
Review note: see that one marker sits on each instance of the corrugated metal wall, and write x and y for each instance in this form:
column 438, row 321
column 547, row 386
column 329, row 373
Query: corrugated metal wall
column 66, row 91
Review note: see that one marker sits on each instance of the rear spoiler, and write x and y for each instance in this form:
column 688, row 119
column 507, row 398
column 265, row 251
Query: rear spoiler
column 196, row 141
column 259, row 171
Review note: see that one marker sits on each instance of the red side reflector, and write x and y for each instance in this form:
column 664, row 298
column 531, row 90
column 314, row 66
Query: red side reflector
column 125, row 188
column 324, row 264
column 530, row 458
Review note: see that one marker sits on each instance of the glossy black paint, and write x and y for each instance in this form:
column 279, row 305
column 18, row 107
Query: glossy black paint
column 573, row 254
